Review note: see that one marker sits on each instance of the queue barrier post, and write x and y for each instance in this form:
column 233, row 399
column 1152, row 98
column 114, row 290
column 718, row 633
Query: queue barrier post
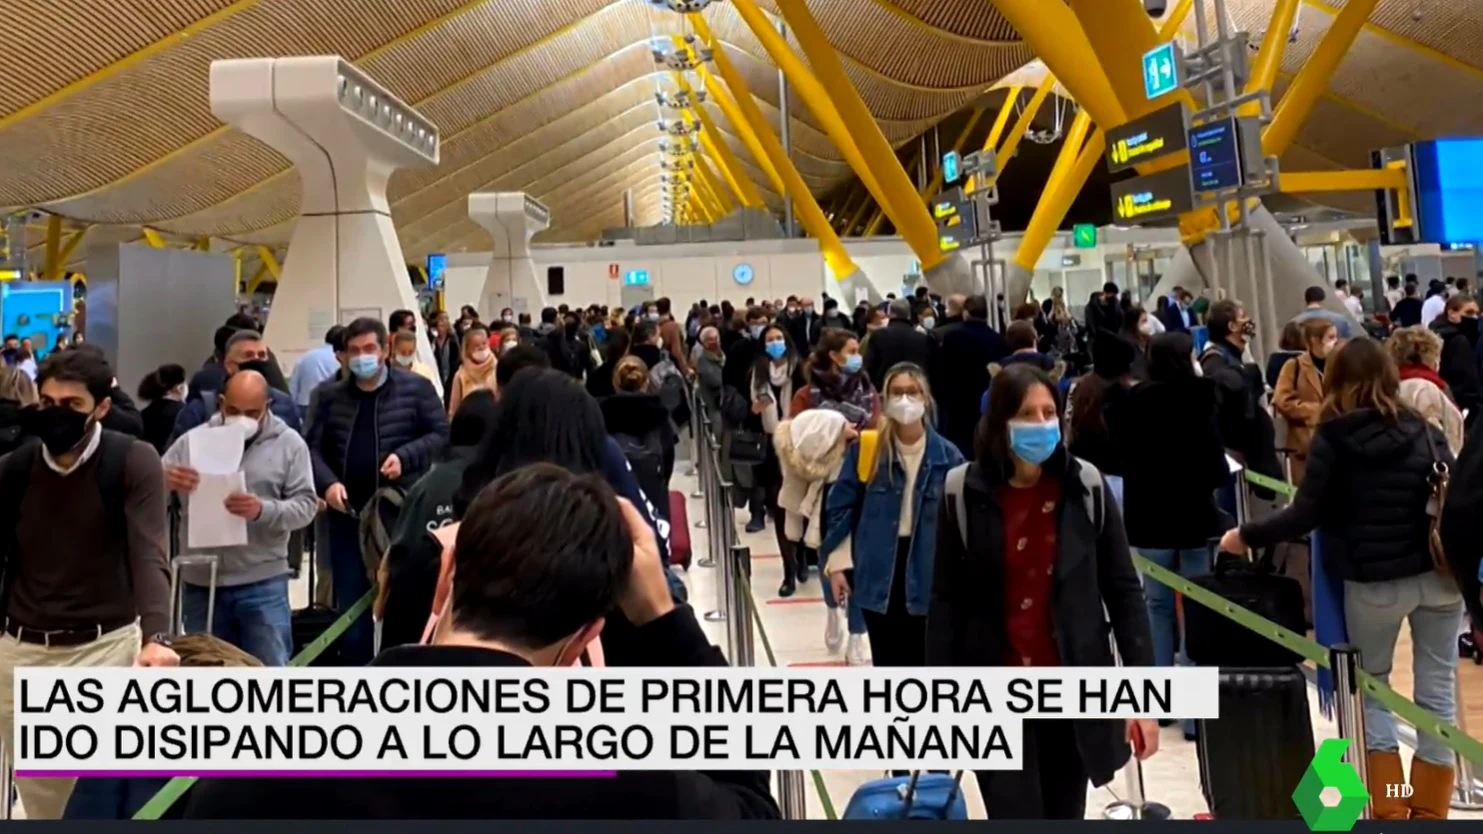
column 791, row 799
column 1466, row 795
column 1349, row 710
column 742, row 618
column 716, row 556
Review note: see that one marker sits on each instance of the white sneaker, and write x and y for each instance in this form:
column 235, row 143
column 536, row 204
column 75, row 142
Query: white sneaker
column 854, row 653
column 833, row 630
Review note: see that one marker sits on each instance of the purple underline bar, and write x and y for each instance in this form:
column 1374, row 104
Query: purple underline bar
column 318, row 774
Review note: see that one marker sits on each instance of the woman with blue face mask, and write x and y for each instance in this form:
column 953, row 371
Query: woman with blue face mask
column 1032, row 568
column 835, row 382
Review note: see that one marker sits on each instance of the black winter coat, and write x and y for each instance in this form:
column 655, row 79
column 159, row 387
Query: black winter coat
column 1459, row 367
column 640, row 423
column 11, row 435
column 960, row 374
column 965, row 616
column 1366, row 488
column 897, row 342
column 1178, row 462
column 1462, row 535
column 1245, row 424
column 410, row 423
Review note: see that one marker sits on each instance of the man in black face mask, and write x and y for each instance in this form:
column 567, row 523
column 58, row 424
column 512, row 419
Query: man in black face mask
column 1245, row 426
column 87, row 582
column 245, row 351
column 1458, row 329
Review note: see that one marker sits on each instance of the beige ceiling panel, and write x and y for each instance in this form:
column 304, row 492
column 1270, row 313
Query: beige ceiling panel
column 50, row 44
column 1451, row 28
column 1343, row 135
column 977, row 19
column 154, row 107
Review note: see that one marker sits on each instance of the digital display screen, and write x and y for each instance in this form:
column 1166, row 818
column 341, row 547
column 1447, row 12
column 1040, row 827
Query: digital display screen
column 1156, row 135
column 1215, row 156
column 1449, row 190
column 436, row 263
column 1154, row 198
column 957, row 224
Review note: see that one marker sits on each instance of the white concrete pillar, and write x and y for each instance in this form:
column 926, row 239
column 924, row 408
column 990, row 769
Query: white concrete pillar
column 512, row 219
column 345, row 135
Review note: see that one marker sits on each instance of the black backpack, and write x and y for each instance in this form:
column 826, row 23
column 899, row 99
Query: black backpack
column 645, row 455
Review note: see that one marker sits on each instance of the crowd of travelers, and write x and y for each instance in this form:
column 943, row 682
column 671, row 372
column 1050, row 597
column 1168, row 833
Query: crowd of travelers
column 907, row 456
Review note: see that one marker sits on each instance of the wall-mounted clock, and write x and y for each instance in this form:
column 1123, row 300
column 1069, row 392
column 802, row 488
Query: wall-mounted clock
column 743, row 274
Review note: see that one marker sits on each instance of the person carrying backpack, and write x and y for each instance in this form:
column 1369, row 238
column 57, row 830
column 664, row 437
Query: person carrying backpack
column 86, row 583
column 637, row 419
column 1028, row 550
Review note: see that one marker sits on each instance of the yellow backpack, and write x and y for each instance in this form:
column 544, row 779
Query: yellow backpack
column 869, row 449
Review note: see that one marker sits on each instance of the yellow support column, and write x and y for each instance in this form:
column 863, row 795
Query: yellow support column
column 1001, row 121
column 809, row 89
column 1059, row 40
column 258, row 278
column 733, row 112
column 711, row 200
column 913, row 222
column 859, row 215
column 56, row 269
column 53, row 264
column 1313, row 78
column 1269, row 56
column 712, row 182
column 153, row 238
column 749, row 121
column 202, row 244
column 271, row 263
column 847, row 208
column 1071, row 143
column 936, row 182
column 1119, row 33
column 1021, row 126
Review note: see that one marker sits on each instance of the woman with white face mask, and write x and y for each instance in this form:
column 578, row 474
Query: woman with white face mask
column 1030, row 550
column 885, row 506
column 477, row 370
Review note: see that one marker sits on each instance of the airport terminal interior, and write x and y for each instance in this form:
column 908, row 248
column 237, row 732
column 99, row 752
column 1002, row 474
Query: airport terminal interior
column 1127, row 169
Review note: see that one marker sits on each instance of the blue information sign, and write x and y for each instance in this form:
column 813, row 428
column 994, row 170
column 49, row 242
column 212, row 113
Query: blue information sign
column 436, row 263
column 951, row 166
column 1160, row 71
column 1215, row 156
column 636, row 278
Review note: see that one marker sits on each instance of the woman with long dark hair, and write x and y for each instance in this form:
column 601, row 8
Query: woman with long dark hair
column 1029, row 549
column 164, row 391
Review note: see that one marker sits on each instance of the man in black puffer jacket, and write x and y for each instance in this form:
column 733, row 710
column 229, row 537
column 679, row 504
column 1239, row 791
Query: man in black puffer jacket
column 899, row 341
column 381, row 426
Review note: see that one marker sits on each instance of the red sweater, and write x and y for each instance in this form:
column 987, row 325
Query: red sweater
column 1029, row 572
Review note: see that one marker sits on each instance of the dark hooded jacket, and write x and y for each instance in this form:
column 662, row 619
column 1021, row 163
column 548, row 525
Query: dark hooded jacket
column 1459, row 364
column 1169, row 483
column 640, row 425
column 1366, row 488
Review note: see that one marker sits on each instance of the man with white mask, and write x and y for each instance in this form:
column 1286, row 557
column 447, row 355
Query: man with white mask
column 252, row 609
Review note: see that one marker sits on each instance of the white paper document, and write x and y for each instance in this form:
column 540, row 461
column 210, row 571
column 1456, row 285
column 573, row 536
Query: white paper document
column 216, row 450
column 208, row 524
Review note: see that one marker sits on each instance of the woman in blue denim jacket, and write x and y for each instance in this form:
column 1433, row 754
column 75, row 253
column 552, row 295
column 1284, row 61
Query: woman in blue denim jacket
column 891, row 521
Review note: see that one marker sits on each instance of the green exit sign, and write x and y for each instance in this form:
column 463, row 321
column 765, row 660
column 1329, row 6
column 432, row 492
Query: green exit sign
column 1084, row 235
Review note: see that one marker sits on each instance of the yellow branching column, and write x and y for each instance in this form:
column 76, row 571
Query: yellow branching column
column 715, row 145
column 747, row 118
column 945, row 275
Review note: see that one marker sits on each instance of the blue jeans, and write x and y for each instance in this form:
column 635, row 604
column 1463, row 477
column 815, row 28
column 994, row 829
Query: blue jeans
column 255, row 617
column 1373, row 612
column 348, row 575
column 854, row 617
column 1168, row 641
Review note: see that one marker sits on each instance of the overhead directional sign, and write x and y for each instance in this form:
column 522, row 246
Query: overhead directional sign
column 1153, row 198
column 957, row 220
column 1159, row 134
column 1160, row 70
column 951, row 166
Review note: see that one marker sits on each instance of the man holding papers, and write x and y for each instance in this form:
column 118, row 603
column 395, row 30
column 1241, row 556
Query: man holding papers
column 246, row 483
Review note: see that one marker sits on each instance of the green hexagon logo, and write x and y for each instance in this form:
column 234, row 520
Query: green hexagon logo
column 1329, row 770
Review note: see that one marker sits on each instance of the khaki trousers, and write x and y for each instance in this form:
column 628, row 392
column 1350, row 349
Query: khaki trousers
column 46, row 799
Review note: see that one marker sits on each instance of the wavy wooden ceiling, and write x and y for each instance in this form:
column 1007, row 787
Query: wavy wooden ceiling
column 556, row 98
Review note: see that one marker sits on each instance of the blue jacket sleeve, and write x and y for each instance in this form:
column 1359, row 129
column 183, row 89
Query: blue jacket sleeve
column 841, row 503
column 192, row 415
column 285, row 409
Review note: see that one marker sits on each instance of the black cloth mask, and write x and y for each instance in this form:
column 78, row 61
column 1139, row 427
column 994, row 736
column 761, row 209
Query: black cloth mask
column 59, row 428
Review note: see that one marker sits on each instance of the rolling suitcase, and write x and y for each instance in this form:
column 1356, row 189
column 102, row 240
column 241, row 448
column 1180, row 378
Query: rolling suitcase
column 177, row 588
column 1210, row 639
column 1252, row 757
column 679, row 531
column 920, row 796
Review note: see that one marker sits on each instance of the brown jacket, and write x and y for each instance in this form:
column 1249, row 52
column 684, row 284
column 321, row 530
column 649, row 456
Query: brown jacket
column 1299, row 399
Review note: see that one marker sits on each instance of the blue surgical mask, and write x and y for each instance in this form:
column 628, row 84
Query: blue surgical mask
column 852, row 364
column 777, row 350
column 1033, row 441
column 365, row 365
column 757, row 330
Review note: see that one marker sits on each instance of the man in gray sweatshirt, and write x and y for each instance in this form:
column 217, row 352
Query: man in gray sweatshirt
column 252, row 606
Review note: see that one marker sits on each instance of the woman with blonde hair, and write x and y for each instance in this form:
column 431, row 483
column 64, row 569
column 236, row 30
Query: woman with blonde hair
column 16, row 392
column 1368, row 492
column 1299, row 396
column 477, row 370
column 637, row 419
column 881, row 520
column 1418, row 354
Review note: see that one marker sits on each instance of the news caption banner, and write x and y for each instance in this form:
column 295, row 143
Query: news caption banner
column 480, row 722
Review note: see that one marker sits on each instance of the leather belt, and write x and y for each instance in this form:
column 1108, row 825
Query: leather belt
column 61, row 637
